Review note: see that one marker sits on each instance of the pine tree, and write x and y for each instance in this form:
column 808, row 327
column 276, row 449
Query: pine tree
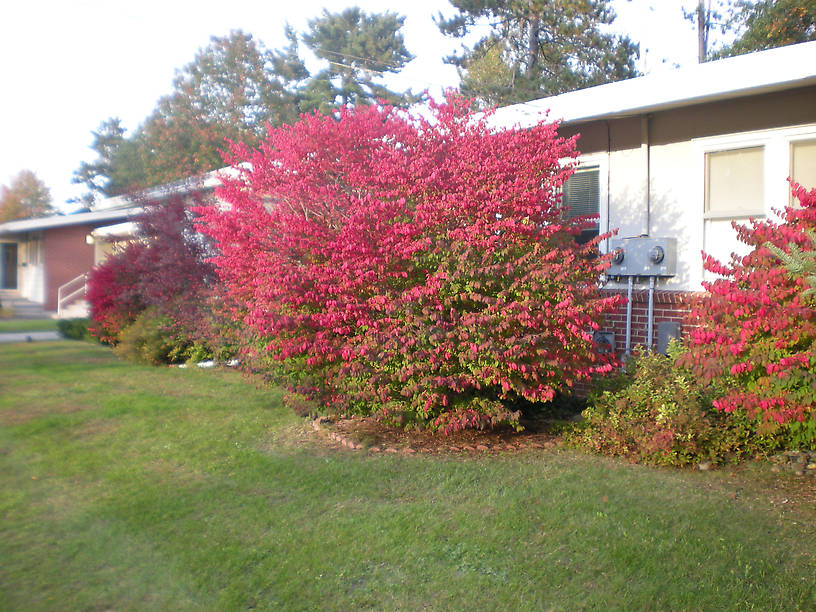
column 537, row 48
column 230, row 92
column 116, row 167
column 800, row 263
column 359, row 49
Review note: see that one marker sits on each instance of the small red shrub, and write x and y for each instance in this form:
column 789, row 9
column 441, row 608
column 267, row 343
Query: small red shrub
column 163, row 270
column 113, row 294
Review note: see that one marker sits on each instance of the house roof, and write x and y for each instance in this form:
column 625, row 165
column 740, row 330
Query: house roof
column 769, row 71
column 118, row 209
column 201, row 182
column 125, row 229
column 96, row 218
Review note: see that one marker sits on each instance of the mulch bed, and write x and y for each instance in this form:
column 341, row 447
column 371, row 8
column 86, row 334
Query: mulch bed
column 370, row 434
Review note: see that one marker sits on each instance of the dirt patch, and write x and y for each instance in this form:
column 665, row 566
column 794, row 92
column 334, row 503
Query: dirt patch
column 787, row 492
column 20, row 415
column 370, row 434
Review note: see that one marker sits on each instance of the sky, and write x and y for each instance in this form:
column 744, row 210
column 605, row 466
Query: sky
column 67, row 65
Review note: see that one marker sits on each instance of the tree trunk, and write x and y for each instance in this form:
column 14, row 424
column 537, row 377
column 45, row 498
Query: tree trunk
column 703, row 24
column 532, row 45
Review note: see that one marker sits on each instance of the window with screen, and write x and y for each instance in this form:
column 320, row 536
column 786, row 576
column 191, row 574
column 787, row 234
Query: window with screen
column 735, row 183
column 581, row 196
column 803, row 163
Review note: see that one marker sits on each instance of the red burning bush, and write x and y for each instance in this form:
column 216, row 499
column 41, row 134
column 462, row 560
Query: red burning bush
column 113, row 292
column 420, row 268
column 757, row 329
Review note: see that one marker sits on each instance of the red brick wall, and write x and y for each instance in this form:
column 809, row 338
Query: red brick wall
column 67, row 255
column 671, row 306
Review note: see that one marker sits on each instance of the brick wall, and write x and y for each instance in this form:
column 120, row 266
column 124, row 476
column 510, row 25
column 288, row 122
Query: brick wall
column 669, row 306
column 67, row 255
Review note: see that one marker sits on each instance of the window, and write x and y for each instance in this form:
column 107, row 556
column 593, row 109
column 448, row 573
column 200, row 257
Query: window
column 744, row 176
column 34, row 250
column 803, row 163
column 735, row 183
column 734, row 190
column 581, row 195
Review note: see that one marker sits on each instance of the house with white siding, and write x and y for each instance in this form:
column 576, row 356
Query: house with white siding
column 671, row 159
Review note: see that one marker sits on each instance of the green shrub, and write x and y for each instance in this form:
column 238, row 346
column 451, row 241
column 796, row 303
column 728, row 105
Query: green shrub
column 656, row 412
column 147, row 340
column 154, row 339
column 74, row 329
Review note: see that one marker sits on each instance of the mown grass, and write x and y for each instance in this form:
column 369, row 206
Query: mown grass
column 25, row 325
column 125, row 487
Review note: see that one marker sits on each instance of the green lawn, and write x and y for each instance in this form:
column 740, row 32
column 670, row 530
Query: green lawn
column 125, row 487
column 26, row 325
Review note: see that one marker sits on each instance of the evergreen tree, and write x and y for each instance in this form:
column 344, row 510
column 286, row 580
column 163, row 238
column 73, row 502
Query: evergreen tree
column 117, row 166
column 537, row 48
column 232, row 89
column 359, row 48
column 799, row 262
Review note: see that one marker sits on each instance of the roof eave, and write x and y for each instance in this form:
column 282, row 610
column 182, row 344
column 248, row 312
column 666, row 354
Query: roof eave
column 102, row 217
column 775, row 70
column 638, row 111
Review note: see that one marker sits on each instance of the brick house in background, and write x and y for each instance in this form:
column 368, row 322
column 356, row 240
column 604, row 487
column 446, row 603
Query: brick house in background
column 41, row 255
column 44, row 258
column 672, row 158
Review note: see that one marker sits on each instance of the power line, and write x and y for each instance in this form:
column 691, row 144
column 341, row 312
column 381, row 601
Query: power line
column 362, row 59
column 363, row 68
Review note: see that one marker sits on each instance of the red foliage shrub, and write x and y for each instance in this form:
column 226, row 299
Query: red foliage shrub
column 113, row 294
column 757, row 329
column 418, row 267
column 165, row 270
column 177, row 279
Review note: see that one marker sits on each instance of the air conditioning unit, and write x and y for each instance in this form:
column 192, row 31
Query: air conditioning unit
column 643, row 256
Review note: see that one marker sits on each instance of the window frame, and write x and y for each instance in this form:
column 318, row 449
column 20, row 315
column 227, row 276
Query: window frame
column 601, row 162
column 809, row 138
column 776, row 169
column 734, row 213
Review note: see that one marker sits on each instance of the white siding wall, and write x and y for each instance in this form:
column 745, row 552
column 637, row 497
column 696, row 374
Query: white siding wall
column 676, row 210
column 677, row 194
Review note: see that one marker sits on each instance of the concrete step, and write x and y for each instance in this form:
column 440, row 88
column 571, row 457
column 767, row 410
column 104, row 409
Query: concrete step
column 21, row 308
column 76, row 310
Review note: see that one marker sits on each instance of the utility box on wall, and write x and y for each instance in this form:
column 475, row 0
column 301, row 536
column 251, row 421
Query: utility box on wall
column 666, row 332
column 643, row 256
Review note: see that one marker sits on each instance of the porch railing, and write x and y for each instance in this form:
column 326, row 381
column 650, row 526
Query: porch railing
column 71, row 291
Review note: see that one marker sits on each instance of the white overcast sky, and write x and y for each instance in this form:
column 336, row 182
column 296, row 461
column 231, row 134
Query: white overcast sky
column 66, row 65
